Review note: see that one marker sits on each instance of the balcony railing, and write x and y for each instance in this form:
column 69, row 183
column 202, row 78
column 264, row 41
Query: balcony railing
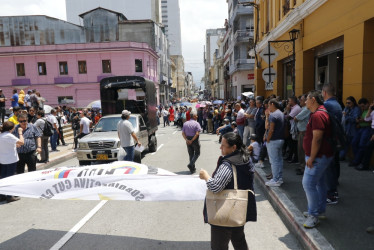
column 242, row 64
column 239, row 11
column 243, row 35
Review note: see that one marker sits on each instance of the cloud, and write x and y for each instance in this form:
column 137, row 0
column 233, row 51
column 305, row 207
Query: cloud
column 196, row 17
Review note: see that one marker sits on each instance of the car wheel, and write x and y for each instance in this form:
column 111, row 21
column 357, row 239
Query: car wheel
column 84, row 163
column 138, row 157
column 152, row 144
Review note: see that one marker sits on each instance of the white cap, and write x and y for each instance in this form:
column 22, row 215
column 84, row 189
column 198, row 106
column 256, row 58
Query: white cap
column 126, row 112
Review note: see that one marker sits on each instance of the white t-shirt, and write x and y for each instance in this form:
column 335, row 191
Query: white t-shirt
column 125, row 129
column 240, row 114
column 8, row 149
column 256, row 150
column 86, row 125
column 52, row 119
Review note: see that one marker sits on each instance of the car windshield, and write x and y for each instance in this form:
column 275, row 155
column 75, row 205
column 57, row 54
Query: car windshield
column 107, row 124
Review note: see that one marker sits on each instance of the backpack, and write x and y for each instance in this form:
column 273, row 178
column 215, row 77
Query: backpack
column 338, row 138
column 48, row 128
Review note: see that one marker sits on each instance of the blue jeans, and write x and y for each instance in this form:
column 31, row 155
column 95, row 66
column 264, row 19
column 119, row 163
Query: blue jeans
column 53, row 140
column 240, row 130
column 359, row 142
column 275, row 157
column 314, row 184
column 130, row 153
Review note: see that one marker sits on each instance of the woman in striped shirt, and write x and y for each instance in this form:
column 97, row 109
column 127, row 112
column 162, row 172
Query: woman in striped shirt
column 235, row 153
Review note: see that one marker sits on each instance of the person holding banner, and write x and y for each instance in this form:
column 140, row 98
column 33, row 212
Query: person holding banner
column 235, row 153
column 8, row 153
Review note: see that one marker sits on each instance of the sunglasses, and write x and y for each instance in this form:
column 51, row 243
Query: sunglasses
column 348, row 103
column 22, row 121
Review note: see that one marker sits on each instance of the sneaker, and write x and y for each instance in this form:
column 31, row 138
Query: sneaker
column 273, row 183
column 331, row 200
column 321, row 216
column 311, row 221
column 269, row 176
column 280, row 180
column 259, row 165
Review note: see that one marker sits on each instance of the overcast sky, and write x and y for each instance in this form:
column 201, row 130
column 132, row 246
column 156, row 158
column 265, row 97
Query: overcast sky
column 196, row 17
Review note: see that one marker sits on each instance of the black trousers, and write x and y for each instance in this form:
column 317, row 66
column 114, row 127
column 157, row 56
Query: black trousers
column 221, row 236
column 2, row 114
column 26, row 158
column 61, row 137
column 79, row 136
column 193, row 150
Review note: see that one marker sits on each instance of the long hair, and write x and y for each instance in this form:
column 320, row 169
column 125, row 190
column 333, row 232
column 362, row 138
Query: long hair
column 235, row 139
column 353, row 100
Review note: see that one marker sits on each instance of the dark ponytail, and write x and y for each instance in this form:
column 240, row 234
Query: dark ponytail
column 235, row 139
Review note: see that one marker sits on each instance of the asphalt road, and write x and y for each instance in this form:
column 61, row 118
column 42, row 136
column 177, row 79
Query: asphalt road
column 42, row 224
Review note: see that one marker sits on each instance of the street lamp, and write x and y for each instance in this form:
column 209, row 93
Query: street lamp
column 294, row 35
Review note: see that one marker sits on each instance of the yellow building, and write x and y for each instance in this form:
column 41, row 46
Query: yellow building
column 335, row 45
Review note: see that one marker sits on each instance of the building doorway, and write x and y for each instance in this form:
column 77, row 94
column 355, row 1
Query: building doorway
column 329, row 69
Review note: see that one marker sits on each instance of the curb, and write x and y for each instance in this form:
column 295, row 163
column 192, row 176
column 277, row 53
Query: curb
column 58, row 160
column 291, row 215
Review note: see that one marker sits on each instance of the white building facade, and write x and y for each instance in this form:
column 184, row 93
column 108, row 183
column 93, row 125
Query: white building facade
column 239, row 66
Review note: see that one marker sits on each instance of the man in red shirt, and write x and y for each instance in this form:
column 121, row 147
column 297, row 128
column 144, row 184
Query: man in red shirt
column 188, row 114
column 318, row 155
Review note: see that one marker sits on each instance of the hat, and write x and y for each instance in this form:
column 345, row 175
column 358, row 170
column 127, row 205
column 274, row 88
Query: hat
column 126, row 112
column 253, row 137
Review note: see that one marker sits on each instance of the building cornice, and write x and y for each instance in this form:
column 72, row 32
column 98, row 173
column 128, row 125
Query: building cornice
column 296, row 16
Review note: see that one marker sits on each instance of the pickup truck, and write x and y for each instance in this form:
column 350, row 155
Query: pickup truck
column 103, row 144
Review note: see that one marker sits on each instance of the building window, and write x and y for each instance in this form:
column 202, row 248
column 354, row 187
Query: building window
column 42, row 68
column 82, row 67
column 106, row 66
column 138, row 65
column 20, row 69
column 63, row 68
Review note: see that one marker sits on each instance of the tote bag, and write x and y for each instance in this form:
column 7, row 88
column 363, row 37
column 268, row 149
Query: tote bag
column 228, row 208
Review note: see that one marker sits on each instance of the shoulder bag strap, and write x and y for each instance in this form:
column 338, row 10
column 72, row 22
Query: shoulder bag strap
column 234, row 176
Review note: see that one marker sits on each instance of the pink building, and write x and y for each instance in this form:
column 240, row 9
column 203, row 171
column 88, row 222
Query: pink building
column 69, row 74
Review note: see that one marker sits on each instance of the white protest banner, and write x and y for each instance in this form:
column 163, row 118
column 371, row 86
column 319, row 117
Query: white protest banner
column 120, row 180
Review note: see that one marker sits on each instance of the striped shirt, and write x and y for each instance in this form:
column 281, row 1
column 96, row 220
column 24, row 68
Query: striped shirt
column 221, row 178
column 30, row 135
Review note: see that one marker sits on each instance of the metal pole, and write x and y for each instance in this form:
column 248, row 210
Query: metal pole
column 294, row 67
column 269, row 63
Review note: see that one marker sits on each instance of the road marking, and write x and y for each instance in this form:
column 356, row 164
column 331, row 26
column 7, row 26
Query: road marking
column 158, row 149
column 78, row 226
column 174, row 132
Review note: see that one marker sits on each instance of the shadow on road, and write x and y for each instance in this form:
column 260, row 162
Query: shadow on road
column 38, row 239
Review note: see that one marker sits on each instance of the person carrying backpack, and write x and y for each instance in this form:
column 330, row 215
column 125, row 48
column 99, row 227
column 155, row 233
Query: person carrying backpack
column 333, row 171
column 318, row 156
column 40, row 125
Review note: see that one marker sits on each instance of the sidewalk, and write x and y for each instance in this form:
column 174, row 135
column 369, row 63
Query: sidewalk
column 65, row 153
column 346, row 223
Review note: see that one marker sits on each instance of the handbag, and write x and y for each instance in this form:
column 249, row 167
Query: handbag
column 228, row 208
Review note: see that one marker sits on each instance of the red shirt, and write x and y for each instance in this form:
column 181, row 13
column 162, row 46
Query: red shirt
column 188, row 116
column 318, row 120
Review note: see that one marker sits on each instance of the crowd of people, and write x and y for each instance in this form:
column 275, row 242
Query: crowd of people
column 299, row 130
column 26, row 135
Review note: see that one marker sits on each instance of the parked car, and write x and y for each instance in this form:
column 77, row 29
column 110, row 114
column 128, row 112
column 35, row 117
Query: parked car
column 103, row 144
